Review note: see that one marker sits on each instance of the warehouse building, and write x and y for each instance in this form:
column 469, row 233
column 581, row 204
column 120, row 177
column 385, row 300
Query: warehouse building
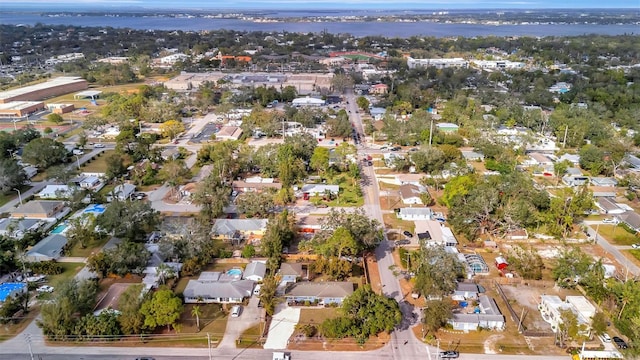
column 54, row 87
column 16, row 109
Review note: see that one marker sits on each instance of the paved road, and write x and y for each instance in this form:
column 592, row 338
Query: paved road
column 628, row 265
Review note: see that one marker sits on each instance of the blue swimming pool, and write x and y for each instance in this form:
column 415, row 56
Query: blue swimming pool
column 234, row 272
column 95, row 208
column 59, row 229
column 7, row 289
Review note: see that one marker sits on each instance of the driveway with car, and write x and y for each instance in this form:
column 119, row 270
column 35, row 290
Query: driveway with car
column 249, row 316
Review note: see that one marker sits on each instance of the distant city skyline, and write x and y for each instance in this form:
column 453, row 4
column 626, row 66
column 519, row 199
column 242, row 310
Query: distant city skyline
column 322, row 4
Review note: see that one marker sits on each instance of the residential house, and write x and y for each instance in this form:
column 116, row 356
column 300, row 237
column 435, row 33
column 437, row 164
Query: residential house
column 486, row 315
column 121, row 192
column 319, row 189
column 537, row 159
column 377, row 113
column 291, row 272
column 516, row 234
column 465, row 291
column 229, row 133
column 447, row 127
column 551, row 308
column 470, row 155
column 603, row 191
column 410, row 194
column 40, row 209
column 572, row 158
column 433, row 232
column 308, row 223
column 90, row 182
column 217, row 287
column 633, row 161
column 321, row 293
column 255, row 271
column 379, row 89
column 169, row 154
column 239, row 229
column 49, row 248
column 56, row 192
column 631, row 219
column 415, row 213
column 609, row 207
column 603, row 181
column 574, row 177
column 307, row 101
column 18, row 227
column 255, row 184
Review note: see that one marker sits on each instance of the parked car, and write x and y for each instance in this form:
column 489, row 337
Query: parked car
column 145, row 358
column 45, row 289
column 635, row 246
column 407, row 234
column 235, row 311
column 403, row 242
column 610, row 221
column 621, row 344
column 605, row 338
column 98, row 146
column 449, row 354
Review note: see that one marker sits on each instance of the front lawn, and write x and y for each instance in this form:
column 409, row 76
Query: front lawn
column 617, row 235
column 99, row 165
column 635, row 253
column 70, row 270
column 317, row 316
column 251, row 338
column 93, row 247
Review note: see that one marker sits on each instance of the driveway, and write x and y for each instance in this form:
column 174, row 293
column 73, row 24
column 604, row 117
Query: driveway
column 249, row 317
column 283, row 324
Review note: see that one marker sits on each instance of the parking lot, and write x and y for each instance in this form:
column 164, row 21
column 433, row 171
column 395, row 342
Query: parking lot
column 205, row 134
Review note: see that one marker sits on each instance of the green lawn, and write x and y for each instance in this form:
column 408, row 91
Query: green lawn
column 5, row 198
column 92, row 247
column 317, row 316
column 99, row 165
column 70, row 270
column 635, row 253
column 617, row 235
column 391, row 221
column 251, row 338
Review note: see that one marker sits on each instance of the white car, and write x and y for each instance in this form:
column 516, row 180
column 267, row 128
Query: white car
column 610, row 221
column 605, row 338
column 45, row 289
column 98, row 146
column 235, row 311
column 635, row 246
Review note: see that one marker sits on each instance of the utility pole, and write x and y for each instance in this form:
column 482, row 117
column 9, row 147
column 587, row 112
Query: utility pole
column 564, row 142
column 431, row 132
column 28, row 336
column 209, row 345
column 19, row 195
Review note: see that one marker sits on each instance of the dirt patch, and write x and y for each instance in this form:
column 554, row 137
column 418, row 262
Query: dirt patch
column 373, row 273
column 316, row 344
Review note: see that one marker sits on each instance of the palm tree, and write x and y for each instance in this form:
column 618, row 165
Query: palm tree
column 197, row 313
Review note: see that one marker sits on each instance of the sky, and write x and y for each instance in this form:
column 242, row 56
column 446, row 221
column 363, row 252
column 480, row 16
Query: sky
column 323, row 4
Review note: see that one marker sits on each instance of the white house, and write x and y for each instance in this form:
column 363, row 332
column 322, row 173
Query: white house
column 56, row 192
column 608, row 206
column 307, row 101
column 412, row 214
column 486, row 315
column 432, row 232
column 410, row 194
column 122, row 192
column 551, row 307
column 255, row 271
column 319, row 189
column 217, row 287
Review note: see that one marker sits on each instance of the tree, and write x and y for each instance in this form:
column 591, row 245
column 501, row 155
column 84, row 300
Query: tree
column 61, row 174
column 268, row 295
column 592, row 159
column 559, row 168
column 55, row 118
column 363, row 103
column 11, row 175
column 248, row 251
column 320, row 159
column 44, row 152
column 526, row 261
column 126, row 258
column 115, row 166
column 437, row 272
column 599, row 323
column 279, row 233
column 212, row 195
column 196, row 312
column 82, row 140
column 164, row 308
column 571, row 265
column 131, row 319
column 82, row 230
column 174, row 173
column 171, row 129
column 72, row 298
column 254, row 204
column 365, row 230
column 436, row 314
column 141, row 219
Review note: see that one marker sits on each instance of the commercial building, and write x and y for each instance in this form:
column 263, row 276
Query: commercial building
column 54, row 87
column 20, row 108
column 437, row 63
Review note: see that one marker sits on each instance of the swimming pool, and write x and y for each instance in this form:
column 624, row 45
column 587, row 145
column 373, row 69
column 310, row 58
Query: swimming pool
column 59, row 229
column 8, row 289
column 95, row 208
column 234, row 272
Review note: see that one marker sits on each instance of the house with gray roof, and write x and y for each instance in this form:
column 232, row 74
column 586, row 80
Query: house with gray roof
column 631, row 219
column 238, row 229
column 255, row 271
column 603, row 181
column 410, row 194
column 417, row 213
column 291, row 272
column 321, row 293
column 49, row 248
column 319, row 189
column 486, row 315
column 18, row 227
column 217, row 287
column 122, row 192
column 608, row 206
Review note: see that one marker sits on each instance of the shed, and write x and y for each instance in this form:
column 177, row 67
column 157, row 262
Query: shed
column 501, row 263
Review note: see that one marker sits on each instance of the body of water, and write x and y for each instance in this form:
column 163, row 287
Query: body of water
column 388, row 29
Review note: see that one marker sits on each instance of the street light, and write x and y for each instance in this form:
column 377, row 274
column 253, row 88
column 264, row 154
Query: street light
column 19, row 195
column 78, row 161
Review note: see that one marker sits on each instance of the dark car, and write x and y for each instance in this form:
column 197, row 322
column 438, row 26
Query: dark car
column 407, row 234
column 403, row 242
column 449, row 354
column 621, row 344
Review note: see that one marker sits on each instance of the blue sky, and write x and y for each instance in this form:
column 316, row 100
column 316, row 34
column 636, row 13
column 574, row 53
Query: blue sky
column 327, row 4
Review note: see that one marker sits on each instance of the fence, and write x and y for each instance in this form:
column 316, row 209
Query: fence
column 514, row 314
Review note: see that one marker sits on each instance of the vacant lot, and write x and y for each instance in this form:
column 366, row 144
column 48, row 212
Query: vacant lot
column 99, row 165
